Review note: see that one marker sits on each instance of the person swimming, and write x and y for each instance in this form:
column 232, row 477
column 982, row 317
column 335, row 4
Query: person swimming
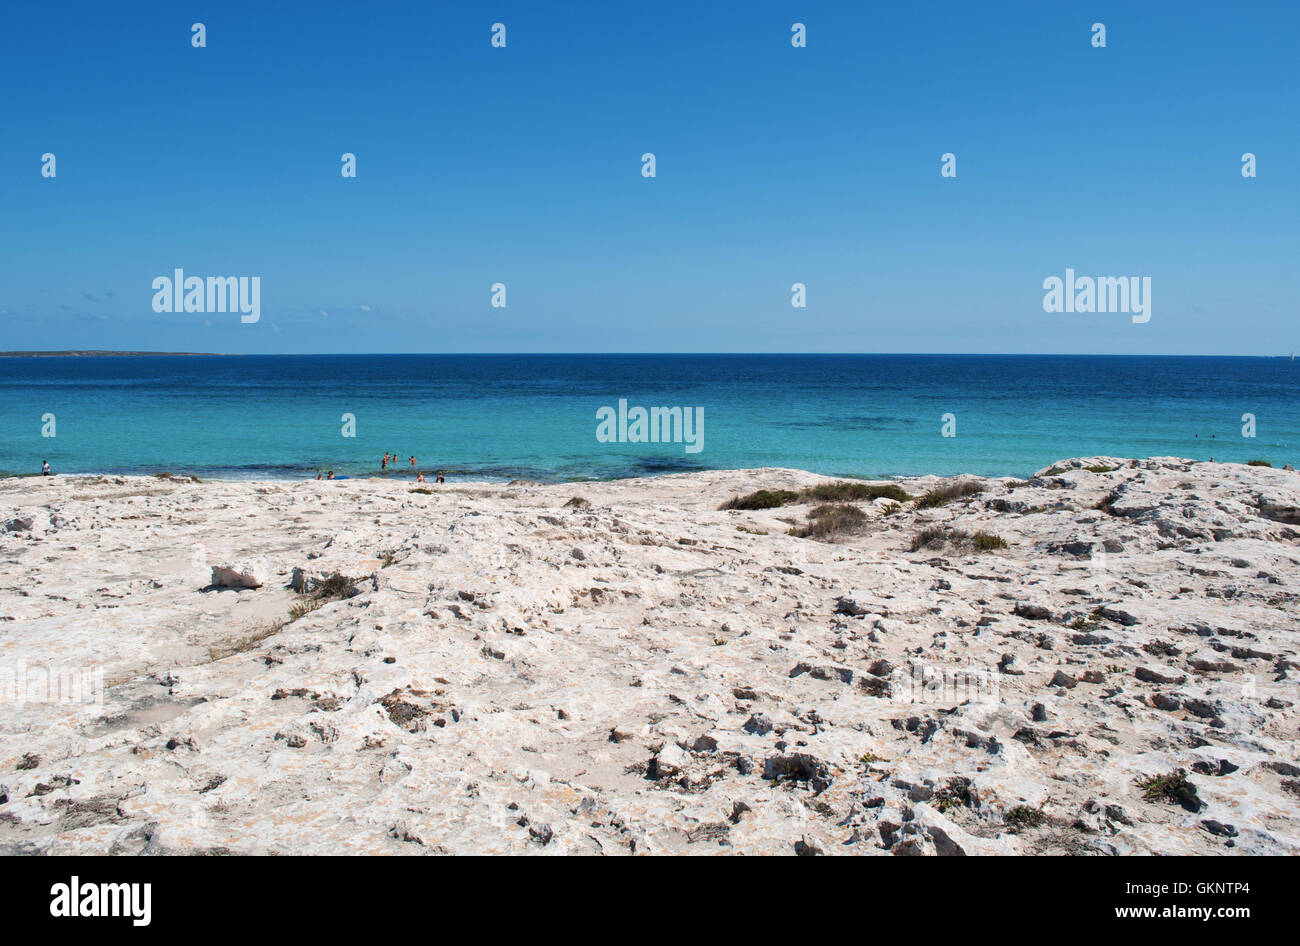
column 383, row 464
column 412, row 461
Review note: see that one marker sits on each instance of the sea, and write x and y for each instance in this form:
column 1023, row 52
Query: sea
column 506, row 417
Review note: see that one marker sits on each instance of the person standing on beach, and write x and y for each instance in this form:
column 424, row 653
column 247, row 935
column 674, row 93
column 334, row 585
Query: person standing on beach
column 440, row 479
column 419, row 477
column 45, row 468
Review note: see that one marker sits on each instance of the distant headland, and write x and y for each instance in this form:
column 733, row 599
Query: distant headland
column 105, row 354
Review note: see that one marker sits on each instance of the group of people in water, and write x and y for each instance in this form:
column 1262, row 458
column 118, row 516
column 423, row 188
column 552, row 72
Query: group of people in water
column 390, row 459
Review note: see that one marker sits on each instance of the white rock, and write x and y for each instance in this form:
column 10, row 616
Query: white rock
column 239, row 575
column 409, row 736
column 671, row 760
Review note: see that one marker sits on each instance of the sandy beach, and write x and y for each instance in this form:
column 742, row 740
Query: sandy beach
column 1092, row 661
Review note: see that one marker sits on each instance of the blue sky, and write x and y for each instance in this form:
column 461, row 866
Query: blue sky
column 775, row 165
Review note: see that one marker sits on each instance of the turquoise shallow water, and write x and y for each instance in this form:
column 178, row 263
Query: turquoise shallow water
column 504, row 417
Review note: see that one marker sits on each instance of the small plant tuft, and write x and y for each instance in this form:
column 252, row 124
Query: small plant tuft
column 1173, row 788
column 830, row 521
column 955, row 794
column 334, row 588
column 947, row 493
column 988, row 541
column 245, row 643
column 1107, row 503
column 932, row 537
column 303, row 607
column 1023, row 816
column 937, row 537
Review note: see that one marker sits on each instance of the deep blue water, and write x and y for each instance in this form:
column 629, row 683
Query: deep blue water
column 509, row 416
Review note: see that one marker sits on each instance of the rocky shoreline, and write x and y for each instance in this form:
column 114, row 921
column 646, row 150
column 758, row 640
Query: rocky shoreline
column 1102, row 659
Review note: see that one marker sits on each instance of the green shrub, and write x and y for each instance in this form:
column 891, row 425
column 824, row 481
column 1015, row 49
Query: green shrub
column 932, row 537
column 1259, row 463
column 1173, row 788
column 987, row 541
column 948, row 493
column 762, row 499
column 845, row 491
column 829, row 521
column 1022, row 816
column 954, row 794
column 848, row 491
